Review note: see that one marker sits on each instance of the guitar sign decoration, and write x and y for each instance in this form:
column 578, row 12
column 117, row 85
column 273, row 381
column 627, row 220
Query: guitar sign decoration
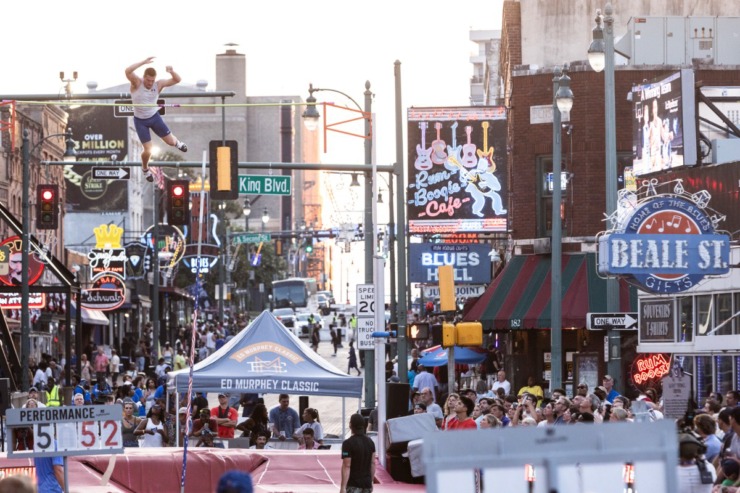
column 423, row 162
column 438, row 147
column 469, row 160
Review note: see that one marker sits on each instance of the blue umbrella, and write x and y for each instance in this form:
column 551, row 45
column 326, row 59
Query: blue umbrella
column 436, row 356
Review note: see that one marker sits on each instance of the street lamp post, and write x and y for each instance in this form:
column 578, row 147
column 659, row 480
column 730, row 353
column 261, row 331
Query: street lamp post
column 601, row 57
column 310, row 118
column 562, row 101
column 69, row 154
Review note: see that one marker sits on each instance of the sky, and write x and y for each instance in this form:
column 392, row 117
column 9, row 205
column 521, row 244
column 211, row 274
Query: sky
column 288, row 44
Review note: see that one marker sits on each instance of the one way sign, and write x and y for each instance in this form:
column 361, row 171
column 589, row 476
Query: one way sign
column 111, row 173
column 617, row 321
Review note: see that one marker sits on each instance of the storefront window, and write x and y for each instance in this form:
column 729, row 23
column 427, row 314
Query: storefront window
column 703, row 314
column 724, row 313
column 725, row 381
column 704, row 378
column 687, row 320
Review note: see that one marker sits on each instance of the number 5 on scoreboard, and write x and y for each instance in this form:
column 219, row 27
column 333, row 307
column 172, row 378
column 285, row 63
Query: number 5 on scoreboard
column 43, row 437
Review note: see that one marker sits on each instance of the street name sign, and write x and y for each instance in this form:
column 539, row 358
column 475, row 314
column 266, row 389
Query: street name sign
column 265, row 184
column 250, row 238
column 67, row 430
column 117, row 173
column 616, row 321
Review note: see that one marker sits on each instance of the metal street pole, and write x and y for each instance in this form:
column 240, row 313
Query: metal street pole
column 25, row 248
column 601, row 57
column 400, row 242
column 556, row 319
column 369, row 244
column 562, row 100
column 612, row 284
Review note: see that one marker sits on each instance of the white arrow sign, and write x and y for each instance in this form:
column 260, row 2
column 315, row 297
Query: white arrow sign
column 616, row 321
column 111, row 173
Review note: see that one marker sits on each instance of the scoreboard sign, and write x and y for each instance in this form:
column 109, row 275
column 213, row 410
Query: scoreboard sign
column 63, row 431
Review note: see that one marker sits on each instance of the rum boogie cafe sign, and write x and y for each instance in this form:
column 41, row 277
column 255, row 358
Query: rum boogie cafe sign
column 667, row 245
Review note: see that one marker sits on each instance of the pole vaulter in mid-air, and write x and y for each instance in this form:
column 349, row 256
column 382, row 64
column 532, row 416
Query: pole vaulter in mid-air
column 146, row 92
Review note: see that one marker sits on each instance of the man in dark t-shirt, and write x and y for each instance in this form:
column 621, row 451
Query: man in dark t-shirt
column 358, row 459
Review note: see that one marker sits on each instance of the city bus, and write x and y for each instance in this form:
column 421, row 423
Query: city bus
column 295, row 293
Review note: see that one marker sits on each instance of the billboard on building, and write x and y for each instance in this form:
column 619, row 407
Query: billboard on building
column 457, row 170
column 471, row 262
column 663, row 124
column 100, row 136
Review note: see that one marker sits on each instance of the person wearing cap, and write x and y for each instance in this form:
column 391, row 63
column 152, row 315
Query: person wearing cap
column 608, row 383
column 33, row 394
column 358, row 459
column 181, row 415
column 425, row 379
column 225, row 416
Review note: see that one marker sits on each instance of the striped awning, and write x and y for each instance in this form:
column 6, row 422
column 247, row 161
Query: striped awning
column 519, row 298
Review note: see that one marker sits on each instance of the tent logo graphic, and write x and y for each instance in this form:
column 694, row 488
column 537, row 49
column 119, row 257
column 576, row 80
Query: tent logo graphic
column 274, row 366
column 267, row 347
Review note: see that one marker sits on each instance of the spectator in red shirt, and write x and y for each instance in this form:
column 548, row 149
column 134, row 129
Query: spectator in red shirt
column 225, row 416
column 462, row 419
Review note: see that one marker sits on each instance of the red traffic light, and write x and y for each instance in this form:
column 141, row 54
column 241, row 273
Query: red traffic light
column 178, row 190
column 47, row 194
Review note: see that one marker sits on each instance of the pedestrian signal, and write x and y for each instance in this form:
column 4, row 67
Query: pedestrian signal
column 47, row 206
column 418, row 331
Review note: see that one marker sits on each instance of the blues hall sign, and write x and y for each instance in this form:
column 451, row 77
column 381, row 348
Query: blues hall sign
column 667, row 245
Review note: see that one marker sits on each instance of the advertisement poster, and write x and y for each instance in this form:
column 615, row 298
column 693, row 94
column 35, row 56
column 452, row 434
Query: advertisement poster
column 457, row 170
column 657, row 126
column 100, row 136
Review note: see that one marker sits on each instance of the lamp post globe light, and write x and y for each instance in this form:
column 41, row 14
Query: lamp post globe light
column 601, row 57
column 69, row 155
column 247, row 210
column 265, row 218
column 562, row 102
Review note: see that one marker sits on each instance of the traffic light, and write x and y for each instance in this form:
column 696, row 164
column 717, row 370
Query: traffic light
column 469, row 334
column 178, row 203
column 223, row 170
column 47, row 206
column 309, row 245
column 418, row 331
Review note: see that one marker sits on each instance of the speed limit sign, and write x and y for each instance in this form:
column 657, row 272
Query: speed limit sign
column 365, row 301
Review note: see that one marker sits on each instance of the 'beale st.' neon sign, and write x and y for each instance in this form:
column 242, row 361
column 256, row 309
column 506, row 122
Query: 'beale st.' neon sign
column 667, row 244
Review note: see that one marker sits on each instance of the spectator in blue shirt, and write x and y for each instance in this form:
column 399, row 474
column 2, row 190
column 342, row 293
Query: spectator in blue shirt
column 284, row 419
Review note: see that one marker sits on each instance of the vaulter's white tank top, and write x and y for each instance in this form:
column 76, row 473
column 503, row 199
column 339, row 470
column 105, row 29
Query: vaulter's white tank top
column 142, row 95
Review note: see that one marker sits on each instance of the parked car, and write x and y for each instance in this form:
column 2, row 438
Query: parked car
column 287, row 317
column 323, row 304
column 329, row 296
column 302, row 325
